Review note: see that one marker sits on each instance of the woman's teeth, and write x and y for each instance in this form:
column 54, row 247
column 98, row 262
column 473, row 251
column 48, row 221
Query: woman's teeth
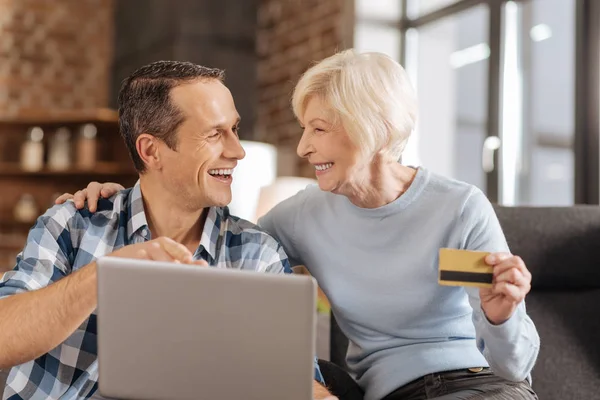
column 323, row 167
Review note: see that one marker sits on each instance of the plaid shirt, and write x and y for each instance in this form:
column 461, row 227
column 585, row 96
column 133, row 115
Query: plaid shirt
column 64, row 240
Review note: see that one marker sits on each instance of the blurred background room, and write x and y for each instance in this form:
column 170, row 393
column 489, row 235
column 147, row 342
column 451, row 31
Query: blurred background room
column 508, row 91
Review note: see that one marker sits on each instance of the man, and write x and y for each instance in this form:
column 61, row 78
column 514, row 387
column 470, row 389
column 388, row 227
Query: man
column 180, row 125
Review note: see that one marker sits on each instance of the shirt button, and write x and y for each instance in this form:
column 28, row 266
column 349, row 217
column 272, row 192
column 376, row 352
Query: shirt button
column 144, row 232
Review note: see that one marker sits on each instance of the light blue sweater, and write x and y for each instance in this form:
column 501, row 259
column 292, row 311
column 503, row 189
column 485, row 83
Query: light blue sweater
column 378, row 267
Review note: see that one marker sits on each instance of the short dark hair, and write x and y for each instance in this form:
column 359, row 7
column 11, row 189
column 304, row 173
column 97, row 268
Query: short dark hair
column 145, row 104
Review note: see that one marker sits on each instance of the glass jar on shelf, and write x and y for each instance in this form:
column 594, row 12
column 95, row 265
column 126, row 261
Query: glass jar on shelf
column 32, row 151
column 59, row 152
column 86, row 147
column 26, row 209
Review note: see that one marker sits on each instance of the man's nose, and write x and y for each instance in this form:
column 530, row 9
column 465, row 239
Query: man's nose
column 234, row 149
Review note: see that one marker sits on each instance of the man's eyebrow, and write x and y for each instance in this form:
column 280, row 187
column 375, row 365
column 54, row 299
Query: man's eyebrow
column 220, row 125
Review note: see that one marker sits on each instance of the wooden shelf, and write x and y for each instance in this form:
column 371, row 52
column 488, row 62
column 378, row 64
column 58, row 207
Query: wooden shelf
column 44, row 185
column 12, row 241
column 101, row 169
column 99, row 115
column 15, row 225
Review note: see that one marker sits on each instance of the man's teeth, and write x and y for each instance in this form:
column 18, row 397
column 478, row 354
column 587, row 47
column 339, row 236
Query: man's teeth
column 323, row 167
column 220, row 171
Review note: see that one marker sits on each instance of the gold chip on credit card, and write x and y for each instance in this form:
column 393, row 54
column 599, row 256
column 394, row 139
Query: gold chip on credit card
column 464, row 268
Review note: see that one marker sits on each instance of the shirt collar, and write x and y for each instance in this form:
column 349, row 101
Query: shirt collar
column 212, row 233
column 135, row 210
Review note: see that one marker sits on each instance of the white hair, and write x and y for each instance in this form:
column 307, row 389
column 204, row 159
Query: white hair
column 368, row 93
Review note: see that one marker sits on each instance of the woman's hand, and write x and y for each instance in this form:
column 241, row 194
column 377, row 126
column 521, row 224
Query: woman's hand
column 512, row 282
column 92, row 194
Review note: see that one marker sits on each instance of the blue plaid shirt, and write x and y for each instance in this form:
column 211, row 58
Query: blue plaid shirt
column 64, row 240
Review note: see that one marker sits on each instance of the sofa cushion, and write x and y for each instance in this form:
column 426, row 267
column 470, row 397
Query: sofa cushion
column 569, row 361
column 559, row 245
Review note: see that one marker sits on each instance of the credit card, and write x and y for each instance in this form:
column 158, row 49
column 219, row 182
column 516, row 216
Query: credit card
column 464, row 268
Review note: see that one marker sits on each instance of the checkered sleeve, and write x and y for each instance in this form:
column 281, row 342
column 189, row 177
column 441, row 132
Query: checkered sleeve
column 278, row 261
column 45, row 258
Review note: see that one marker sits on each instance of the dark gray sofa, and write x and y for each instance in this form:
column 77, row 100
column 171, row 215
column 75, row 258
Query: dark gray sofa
column 561, row 247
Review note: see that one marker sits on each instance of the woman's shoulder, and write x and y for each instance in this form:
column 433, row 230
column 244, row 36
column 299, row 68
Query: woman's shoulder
column 445, row 194
column 289, row 218
column 450, row 187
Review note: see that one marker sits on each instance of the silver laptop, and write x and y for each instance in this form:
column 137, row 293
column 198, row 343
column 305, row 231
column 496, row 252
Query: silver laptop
column 172, row 331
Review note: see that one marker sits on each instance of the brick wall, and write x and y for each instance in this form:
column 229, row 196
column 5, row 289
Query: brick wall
column 292, row 34
column 54, row 54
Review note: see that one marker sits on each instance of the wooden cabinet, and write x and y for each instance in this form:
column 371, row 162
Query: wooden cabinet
column 112, row 164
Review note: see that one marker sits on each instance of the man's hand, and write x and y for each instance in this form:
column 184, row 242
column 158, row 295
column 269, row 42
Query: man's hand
column 512, row 282
column 161, row 249
column 92, row 194
column 34, row 322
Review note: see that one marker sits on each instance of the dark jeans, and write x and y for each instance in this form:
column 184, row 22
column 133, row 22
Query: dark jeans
column 463, row 385
column 453, row 385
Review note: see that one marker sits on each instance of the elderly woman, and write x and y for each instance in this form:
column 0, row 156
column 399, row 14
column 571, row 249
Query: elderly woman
column 371, row 232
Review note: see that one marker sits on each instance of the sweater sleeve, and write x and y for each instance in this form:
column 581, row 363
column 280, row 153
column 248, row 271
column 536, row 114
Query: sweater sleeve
column 281, row 223
column 512, row 347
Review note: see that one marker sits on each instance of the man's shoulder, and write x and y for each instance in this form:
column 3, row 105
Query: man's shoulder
column 67, row 216
column 245, row 230
column 250, row 244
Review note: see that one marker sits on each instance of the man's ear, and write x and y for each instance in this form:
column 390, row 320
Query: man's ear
column 148, row 149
